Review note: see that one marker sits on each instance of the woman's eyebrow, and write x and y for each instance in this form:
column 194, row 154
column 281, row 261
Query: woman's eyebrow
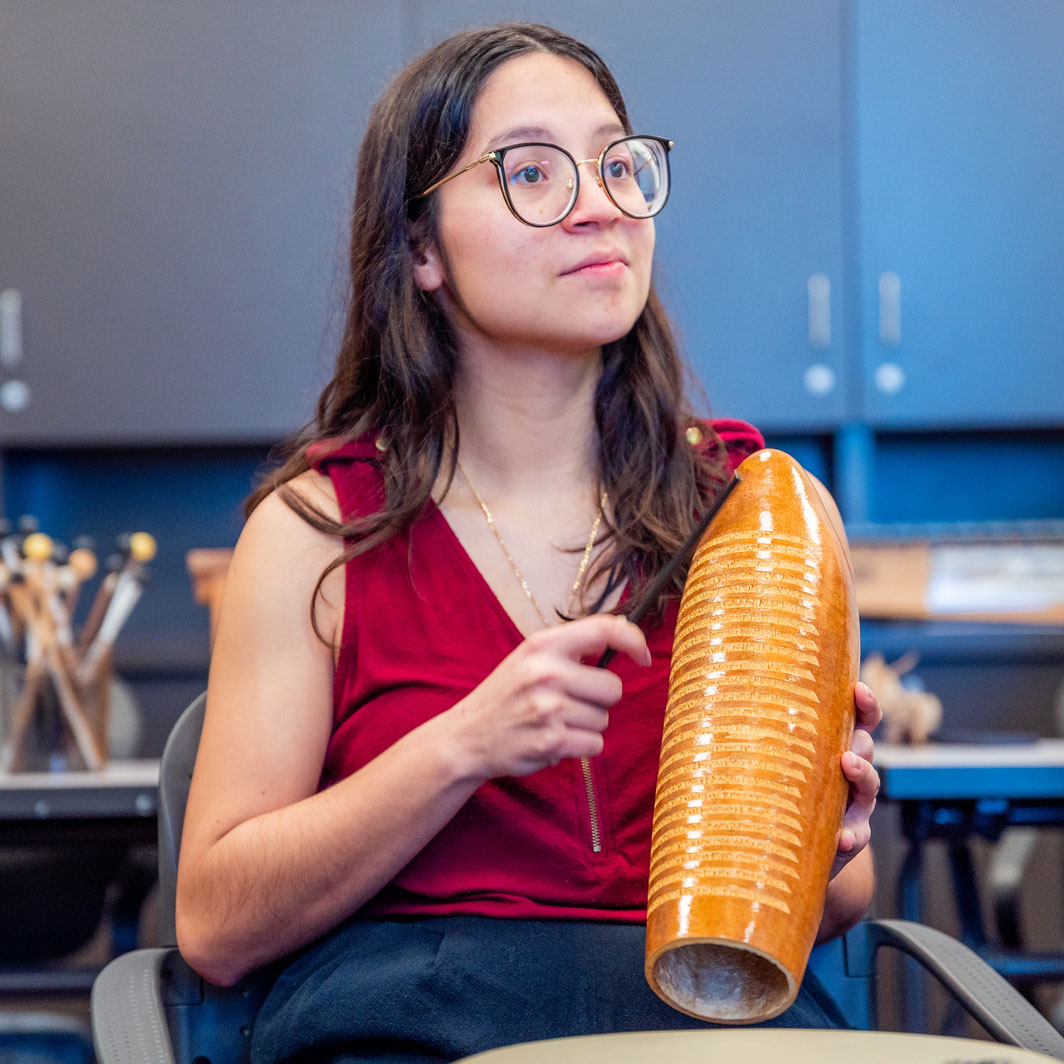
column 540, row 133
column 518, row 134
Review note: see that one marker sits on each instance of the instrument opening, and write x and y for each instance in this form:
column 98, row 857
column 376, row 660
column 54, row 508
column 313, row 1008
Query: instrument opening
column 723, row 981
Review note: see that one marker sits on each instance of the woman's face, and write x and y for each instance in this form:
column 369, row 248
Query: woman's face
column 571, row 287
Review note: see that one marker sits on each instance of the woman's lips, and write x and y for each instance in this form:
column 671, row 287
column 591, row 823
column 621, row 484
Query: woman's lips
column 599, row 267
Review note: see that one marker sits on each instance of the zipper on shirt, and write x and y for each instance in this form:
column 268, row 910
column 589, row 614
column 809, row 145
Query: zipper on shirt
column 592, row 806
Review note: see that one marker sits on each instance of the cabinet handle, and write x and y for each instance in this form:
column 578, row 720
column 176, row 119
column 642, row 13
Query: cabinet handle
column 14, row 396
column 10, row 328
column 889, row 309
column 819, row 379
column 889, row 378
column 818, row 289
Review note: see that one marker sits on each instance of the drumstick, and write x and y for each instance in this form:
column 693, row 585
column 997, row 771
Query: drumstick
column 4, row 600
column 40, row 553
column 127, row 590
column 670, row 567
column 56, row 577
column 23, row 711
column 25, row 578
column 7, row 628
column 45, row 654
column 37, row 549
column 134, row 549
column 80, row 567
column 25, row 608
column 9, row 549
column 89, row 744
column 99, row 604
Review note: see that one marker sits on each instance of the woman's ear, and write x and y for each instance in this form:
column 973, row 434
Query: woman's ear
column 428, row 271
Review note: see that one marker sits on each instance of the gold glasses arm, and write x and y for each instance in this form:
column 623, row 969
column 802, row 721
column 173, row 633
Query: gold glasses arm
column 490, row 157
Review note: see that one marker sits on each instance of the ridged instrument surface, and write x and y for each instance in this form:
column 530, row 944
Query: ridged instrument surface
column 742, row 685
column 750, row 790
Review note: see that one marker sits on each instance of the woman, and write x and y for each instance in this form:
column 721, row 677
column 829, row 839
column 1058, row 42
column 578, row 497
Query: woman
column 413, row 785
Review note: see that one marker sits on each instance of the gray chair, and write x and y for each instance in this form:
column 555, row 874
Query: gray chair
column 148, row 1007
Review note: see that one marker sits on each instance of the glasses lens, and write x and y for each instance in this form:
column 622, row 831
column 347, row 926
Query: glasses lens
column 540, row 182
column 636, row 173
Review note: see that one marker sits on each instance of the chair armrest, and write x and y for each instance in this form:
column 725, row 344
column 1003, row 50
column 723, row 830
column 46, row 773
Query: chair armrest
column 128, row 1018
column 994, row 1003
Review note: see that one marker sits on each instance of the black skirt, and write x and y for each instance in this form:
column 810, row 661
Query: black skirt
column 398, row 992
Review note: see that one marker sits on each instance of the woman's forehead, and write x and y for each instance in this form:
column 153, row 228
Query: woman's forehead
column 541, row 96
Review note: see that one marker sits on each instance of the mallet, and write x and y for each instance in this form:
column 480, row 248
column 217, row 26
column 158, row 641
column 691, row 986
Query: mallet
column 127, row 590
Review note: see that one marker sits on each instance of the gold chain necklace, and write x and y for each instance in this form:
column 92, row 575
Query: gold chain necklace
column 513, row 565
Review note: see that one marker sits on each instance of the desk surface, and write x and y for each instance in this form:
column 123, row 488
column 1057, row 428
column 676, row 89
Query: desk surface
column 120, row 790
column 751, row 1046
column 960, row 770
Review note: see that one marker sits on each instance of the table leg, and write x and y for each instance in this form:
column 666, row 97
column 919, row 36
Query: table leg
column 969, row 911
column 910, row 905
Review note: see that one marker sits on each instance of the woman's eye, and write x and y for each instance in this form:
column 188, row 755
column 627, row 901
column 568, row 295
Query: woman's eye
column 617, row 168
column 528, row 174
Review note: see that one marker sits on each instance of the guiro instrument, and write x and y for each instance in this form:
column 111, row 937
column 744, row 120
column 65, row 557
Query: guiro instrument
column 750, row 791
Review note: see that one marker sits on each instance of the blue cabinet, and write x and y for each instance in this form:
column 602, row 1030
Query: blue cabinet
column 866, row 225
column 960, row 208
column 174, row 182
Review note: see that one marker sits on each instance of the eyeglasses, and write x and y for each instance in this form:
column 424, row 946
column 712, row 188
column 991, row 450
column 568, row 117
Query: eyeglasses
column 541, row 182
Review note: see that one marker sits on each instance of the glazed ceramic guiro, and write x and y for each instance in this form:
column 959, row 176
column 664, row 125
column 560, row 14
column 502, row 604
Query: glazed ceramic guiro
column 750, row 791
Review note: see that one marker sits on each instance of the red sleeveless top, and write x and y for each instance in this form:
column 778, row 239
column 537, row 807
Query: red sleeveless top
column 421, row 629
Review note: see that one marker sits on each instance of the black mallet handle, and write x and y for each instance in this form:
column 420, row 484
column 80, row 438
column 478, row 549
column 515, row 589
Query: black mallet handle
column 672, row 565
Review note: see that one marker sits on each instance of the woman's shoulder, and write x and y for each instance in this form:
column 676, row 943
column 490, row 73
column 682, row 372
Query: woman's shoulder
column 352, row 469
column 739, row 438
column 279, row 558
column 326, row 454
column 284, row 512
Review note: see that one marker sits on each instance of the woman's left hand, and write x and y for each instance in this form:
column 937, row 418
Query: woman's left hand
column 863, row 778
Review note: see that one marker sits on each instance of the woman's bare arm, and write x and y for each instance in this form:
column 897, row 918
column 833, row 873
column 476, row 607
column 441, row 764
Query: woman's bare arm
column 268, row 864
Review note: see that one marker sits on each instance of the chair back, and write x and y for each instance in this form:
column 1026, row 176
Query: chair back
column 207, row 1023
column 175, row 775
column 852, row 986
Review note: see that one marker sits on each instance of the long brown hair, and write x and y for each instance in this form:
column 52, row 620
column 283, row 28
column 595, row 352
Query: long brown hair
column 396, row 365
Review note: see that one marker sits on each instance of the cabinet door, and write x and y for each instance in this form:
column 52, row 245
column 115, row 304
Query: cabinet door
column 174, row 186
column 961, row 200
column 750, row 94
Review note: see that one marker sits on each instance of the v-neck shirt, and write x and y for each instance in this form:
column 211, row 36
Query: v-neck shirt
column 421, row 629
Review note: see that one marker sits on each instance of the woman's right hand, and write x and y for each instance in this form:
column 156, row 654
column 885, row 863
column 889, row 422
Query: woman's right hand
column 545, row 701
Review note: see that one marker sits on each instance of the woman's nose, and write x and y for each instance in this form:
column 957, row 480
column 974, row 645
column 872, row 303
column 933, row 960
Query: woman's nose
column 593, row 203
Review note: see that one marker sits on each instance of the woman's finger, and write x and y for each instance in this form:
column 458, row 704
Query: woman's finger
column 864, row 786
column 582, row 716
column 867, row 706
column 545, row 671
column 863, row 745
column 558, row 710
column 574, row 730
column 589, row 637
column 856, row 831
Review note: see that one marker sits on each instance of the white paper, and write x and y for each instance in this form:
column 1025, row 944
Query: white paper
column 995, row 577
